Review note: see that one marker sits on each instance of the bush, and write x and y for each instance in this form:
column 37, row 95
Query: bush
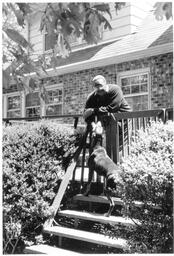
column 35, row 157
column 148, row 176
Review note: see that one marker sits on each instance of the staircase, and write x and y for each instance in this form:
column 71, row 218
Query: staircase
column 90, row 239
column 75, row 226
column 57, row 227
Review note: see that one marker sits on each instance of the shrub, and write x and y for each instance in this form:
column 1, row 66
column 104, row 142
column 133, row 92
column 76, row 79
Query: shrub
column 35, row 157
column 148, row 176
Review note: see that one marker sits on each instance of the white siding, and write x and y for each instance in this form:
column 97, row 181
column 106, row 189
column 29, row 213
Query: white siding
column 123, row 23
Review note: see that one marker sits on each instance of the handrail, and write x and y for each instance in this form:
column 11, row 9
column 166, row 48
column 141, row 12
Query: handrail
column 40, row 117
column 59, row 196
column 133, row 114
column 137, row 114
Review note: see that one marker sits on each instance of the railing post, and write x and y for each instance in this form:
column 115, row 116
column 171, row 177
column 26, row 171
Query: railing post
column 108, row 139
column 114, row 144
column 162, row 115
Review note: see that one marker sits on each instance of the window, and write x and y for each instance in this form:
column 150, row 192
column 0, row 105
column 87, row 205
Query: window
column 55, row 101
column 50, row 41
column 13, row 106
column 135, row 88
column 32, row 104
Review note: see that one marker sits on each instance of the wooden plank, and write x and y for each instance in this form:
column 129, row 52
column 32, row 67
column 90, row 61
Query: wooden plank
column 61, row 191
column 48, row 250
column 64, row 183
column 137, row 114
column 104, row 200
column 113, row 220
column 87, row 236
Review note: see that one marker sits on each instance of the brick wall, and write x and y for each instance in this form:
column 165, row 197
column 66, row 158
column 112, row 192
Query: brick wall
column 78, row 85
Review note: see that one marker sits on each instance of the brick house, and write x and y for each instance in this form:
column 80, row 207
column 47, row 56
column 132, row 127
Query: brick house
column 137, row 54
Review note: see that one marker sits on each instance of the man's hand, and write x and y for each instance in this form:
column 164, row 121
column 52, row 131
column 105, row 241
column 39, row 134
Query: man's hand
column 88, row 112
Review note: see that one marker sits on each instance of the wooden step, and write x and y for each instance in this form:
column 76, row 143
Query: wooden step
column 48, row 250
column 104, row 200
column 113, row 220
column 87, row 236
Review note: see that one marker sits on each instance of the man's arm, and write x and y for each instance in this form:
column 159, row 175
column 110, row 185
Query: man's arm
column 89, row 109
column 116, row 97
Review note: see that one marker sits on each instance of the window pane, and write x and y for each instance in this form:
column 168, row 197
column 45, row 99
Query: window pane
column 32, row 99
column 50, row 41
column 138, row 102
column 125, row 81
column 143, row 78
column 135, row 80
column 135, row 89
column 16, row 113
column 55, row 96
column 14, row 102
column 54, row 110
column 30, row 112
column 126, row 90
column 144, row 88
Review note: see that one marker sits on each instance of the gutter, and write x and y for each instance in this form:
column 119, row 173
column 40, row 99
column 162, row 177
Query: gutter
column 106, row 61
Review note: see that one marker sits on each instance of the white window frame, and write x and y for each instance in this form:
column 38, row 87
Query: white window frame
column 55, row 87
column 130, row 73
column 14, row 94
column 36, row 106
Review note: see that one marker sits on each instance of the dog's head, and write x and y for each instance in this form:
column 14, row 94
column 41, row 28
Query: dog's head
column 97, row 128
column 113, row 180
column 97, row 134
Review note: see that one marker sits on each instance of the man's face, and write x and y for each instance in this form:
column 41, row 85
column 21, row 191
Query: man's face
column 100, row 89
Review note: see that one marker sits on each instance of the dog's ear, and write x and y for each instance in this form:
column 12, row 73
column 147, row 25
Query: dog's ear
column 99, row 128
column 93, row 126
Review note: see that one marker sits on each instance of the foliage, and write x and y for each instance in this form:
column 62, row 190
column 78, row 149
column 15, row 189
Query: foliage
column 35, row 157
column 148, row 177
column 163, row 9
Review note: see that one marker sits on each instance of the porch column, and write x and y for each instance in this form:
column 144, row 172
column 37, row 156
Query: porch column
column 42, row 108
column 23, row 104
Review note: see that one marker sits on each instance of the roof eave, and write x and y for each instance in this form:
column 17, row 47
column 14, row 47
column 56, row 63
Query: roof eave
column 94, row 63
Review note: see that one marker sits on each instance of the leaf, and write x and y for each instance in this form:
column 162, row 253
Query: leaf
column 119, row 5
column 17, row 37
column 105, row 21
column 163, row 9
column 5, row 59
column 91, row 29
column 103, row 8
column 25, row 8
column 5, row 9
column 19, row 15
column 20, row 18
column 76, row 11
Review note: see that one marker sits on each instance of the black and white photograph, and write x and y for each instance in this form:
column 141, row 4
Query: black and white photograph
column 87, row 128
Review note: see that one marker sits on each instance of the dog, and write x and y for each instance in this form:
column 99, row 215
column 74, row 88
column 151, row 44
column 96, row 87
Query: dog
column 100, row 162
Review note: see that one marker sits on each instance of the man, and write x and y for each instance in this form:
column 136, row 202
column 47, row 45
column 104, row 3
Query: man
column 105, row 98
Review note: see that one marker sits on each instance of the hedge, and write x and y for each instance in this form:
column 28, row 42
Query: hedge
column 35, row 157
column 147, row 175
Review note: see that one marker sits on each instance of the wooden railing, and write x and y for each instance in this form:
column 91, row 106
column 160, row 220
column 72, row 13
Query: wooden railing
column 122, row 126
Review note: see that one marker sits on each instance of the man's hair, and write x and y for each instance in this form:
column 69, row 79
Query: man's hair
column 99, row 79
